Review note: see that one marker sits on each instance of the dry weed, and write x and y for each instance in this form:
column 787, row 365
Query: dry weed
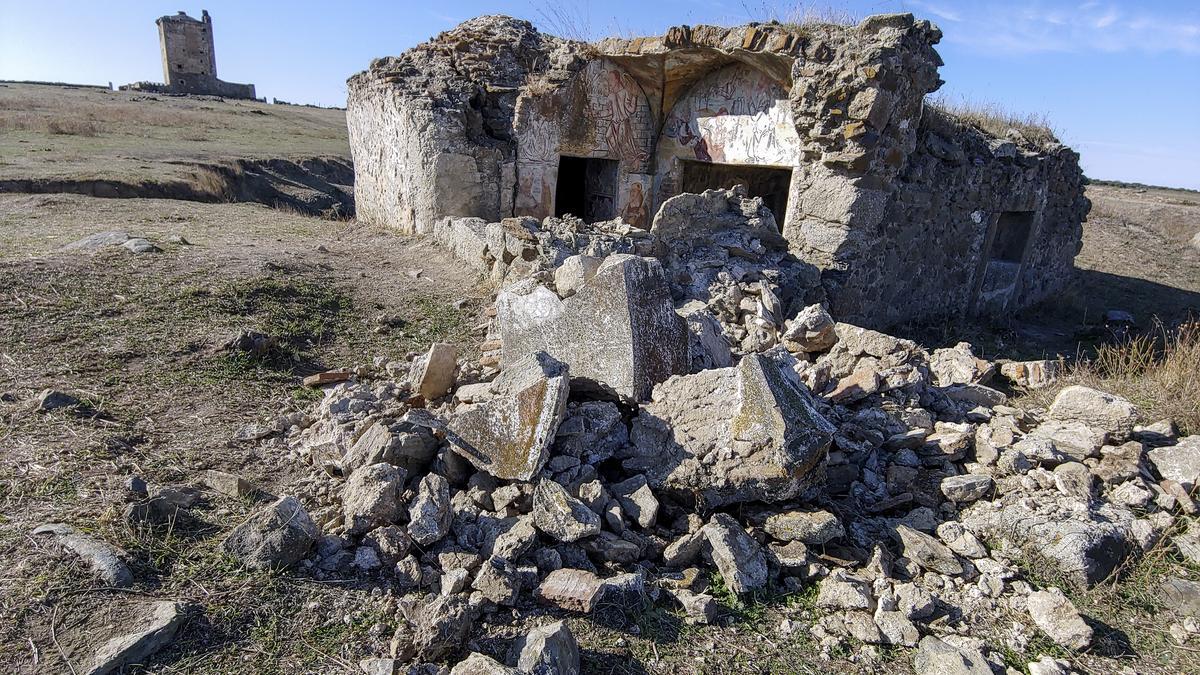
column 993, row 119
column 798, row 14
column 1157, row 372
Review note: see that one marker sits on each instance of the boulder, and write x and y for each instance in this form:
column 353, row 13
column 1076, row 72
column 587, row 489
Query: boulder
column 509, row 436
column 737, row 555
column 1094, row 408
column 809, row 527
column 276, row 537
column 371, row 497
column 429, row 516
column 746, row 433
column 619, row 334
column 1054, row 613
column 1084, row 544
column 561, row 516
column 812, row 330
column 936, row 656
column 1180, row 462
column 548, row 649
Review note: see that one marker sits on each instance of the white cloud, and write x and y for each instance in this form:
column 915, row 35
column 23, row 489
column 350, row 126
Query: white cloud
column 1052, row 27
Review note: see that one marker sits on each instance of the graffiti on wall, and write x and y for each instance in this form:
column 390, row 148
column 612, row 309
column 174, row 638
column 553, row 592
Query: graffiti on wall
column 601, row 113
column 736, row 115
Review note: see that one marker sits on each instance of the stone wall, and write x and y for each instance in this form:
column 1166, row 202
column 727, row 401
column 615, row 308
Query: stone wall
column 908, row 214
column 190, row 61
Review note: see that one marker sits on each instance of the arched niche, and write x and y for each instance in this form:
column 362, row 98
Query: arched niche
column 591, row 141
column 734, row 125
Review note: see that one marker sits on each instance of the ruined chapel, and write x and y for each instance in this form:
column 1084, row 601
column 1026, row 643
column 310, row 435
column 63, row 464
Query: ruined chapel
column 902, row 211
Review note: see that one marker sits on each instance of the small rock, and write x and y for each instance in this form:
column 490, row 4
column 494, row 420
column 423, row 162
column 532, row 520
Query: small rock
column 810, row 527
column 1110, row 413
column 966, row 488
column 278, row 536
column 936, row 656
column 51, row 399
column 154, row 629
column 107, row 561
column 433, row 374
column 371, row 497
column 1180, row 462
column 737, row 555
column 841, row 591
column 928, row 552
column 1054, row 613
column 140, row 245
column 571, row 589
column 430, row 514
column 560, row 515
column 548, row 649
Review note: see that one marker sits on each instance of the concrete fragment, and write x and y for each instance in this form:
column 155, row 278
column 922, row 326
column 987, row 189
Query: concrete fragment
column 278, row 536
column 430, row 515
column 106, row 561
column 1101, row 410
column 812, row 330
column 619, row 333
column 966, row 488
column 571, row 589
column 750, row 432
column 1180, row 462
column 560, row 515
column 371, row 497
column 432, row 374
column 737, row 556
column 509, row 436
column 810, row 527
column 1056, row 615
column 154, row 629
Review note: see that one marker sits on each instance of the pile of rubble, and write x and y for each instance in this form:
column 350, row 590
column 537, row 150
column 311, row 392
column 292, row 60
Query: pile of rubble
column 638, row 421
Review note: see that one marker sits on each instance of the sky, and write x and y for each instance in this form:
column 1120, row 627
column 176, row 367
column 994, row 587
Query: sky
column 1118, row 81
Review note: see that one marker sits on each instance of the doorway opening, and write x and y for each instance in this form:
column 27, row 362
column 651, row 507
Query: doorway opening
column 1012, row 236
column 769, row 182
column 587, row 188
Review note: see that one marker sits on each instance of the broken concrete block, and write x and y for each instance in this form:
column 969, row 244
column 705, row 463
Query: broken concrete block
column 509, row 436
column 560, row 515
column 371, row 497
column 571, row 589
column 739, row 558
column 433, row 373
column 429, row 516
column 278, row 536
column 619, row 334
column 153, row 629
column 746, row 433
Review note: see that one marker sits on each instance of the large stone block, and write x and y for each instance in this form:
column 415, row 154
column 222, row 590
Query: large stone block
column 750, row 432
column 619, row 333
column 509, row 436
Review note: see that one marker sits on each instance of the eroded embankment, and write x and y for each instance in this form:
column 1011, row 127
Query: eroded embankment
column 321, row 186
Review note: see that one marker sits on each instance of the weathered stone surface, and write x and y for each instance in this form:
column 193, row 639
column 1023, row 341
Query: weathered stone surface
column 479, row 664
column 936, row 656
column 497, row 581
column 1054, row 613
column 1101, row 410
column 812, row 330
column 739, row 558
column 430, row 515
column 391, row 543
column 707, row 345
column 371, row 497
column 106, row 561
column 1085, row 544
column 1180, row 462
column 842, row 591
column 155, row 628
column 572, row 589
column 278, row 536
column 958, row 365
column 1075, row 440
column 750, row 432
column 592, row 431
column 441, row 627
column 928, row 552
column 966, row 488
column 810, row 527
column 509, row 436
column 404, row 444
column 1030, row 374
column 699, row 608
column 560, row 515
column 637, row 500
column 50, row 399
column 1182, row 596
column 574, row 272
column 619, row 333
column 433, row 372
column 548, row 649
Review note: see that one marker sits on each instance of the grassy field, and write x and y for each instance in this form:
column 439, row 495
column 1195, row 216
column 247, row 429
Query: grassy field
column 52, row 132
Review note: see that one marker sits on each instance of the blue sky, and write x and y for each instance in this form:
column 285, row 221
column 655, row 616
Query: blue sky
column 1120, row 81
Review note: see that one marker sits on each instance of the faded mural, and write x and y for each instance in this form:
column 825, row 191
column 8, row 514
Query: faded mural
column 736, row 115
column 601, row 113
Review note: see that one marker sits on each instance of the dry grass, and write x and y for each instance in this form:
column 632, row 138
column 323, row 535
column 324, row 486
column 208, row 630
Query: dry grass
column 798, row 15
column 1158, row 372
column 994, row 119
column 48, row 124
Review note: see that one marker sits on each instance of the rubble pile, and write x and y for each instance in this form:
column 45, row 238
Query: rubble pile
column 627, row 438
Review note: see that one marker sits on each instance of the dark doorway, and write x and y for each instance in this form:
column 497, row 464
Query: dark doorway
column 1012, row 235
column 587, row 188
column 770, row 183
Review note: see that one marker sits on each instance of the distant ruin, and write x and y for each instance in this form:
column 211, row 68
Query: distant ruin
column 190, row 60
column 905, row 212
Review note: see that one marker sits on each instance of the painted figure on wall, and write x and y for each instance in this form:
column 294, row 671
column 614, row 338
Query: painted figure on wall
column 634, row 212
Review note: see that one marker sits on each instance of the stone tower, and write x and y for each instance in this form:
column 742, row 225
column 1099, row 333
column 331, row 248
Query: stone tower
column 189, row 59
